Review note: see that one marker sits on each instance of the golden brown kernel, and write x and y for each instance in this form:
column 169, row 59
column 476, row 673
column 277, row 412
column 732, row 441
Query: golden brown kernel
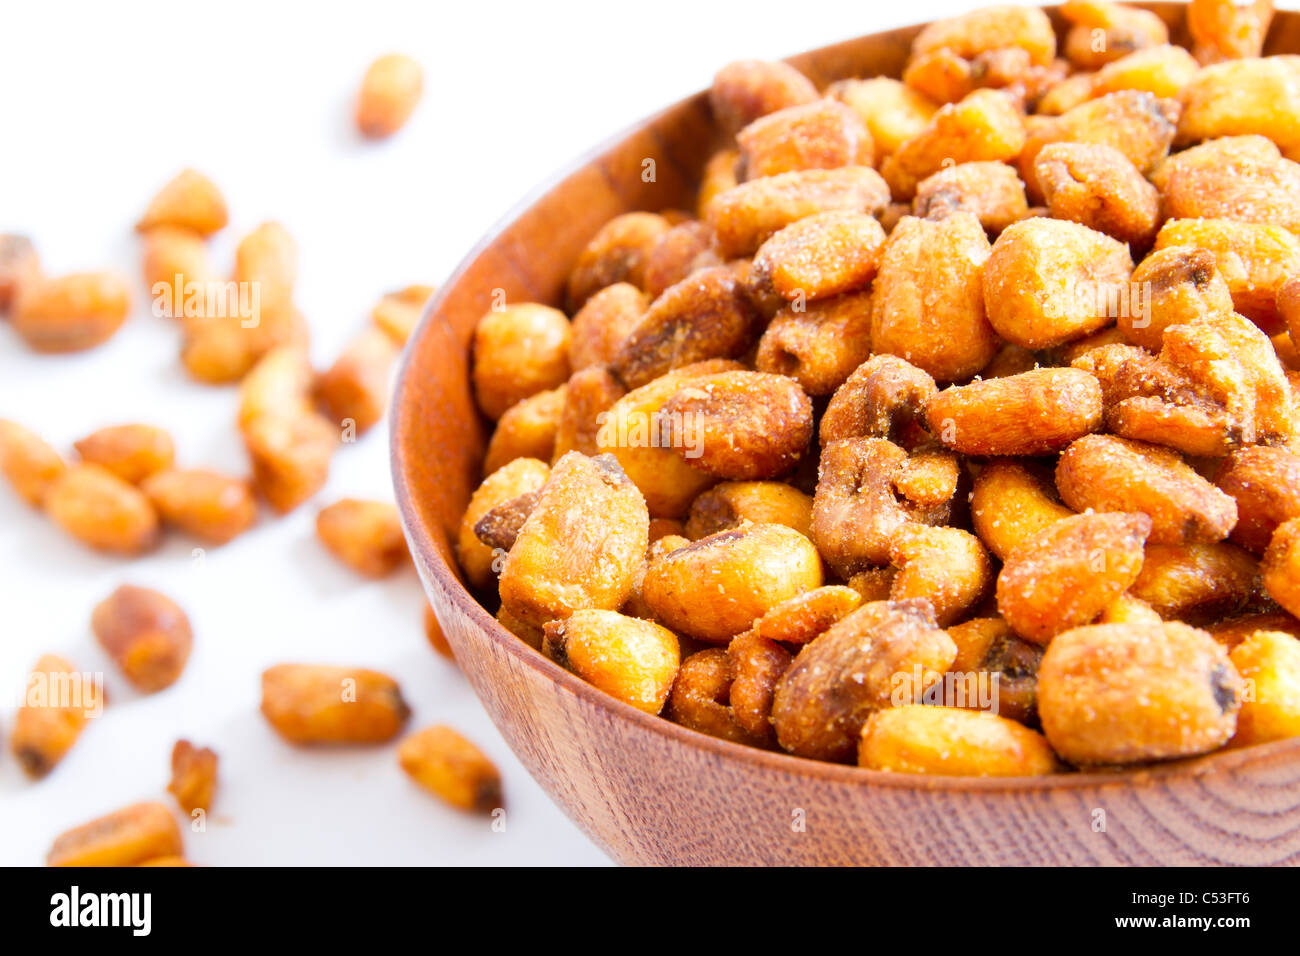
column 819, row 346
column 630, row 659
column 581, row 546
column 824, row 134
column 947, row 566
column 364, row 535
column 706, row 316
column 1126, row 693
column 1243, row 178
column 101, row 510
column 319, row 704
column 290, row 457
column 30, row 465
column 1269, row 663
column 601, row 325
column 740, row 426
column 804, row 616
column 1197, row 583
column 719, row 175
column 519, row 477
column 992, row 28
column 1162, row 71
column 126, row 837
column 885, row 397
column 1180, row 285
column 718, row 586
column 928, row 302
column 1244, row 98
column 992, row 192
column 1136, row 123
column 745, row 216
column 1098, row 187
column 1066, row 575
column 892, row 112
column 389, row 93
column 398, row 312
column 870, row 660
column 194, row 776
column 858, row 507
column 132, row 452
column 1253, row 259
column 917, row 738
column 189, row 201
column 821, row 256
column 174, row 259
column 732, row 503
column 208, row 505
column 528, row 429
column 940, row 75
column 1104, row 32
column 1228, row 29
column 447, row 765
column 617, row 253
column 1281, row 566
column 756, row 664
column 701, row 697
column 530, row 634
column 983, row 126
column 1265, row 482
column 747, row 89
column 57, row 702
column 71, row 312
column 1012, row 501
column 685, row 248
column 1048, row 281
column 355, row 388
column 588, row 397
column 635, row 432
column 519, row 351
column 1105, row 473
column 1027, row 414
column 147, row 635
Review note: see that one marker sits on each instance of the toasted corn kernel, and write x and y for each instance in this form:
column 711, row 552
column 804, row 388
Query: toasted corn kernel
column 633, row 660
column 950, row 741
column 1066, row 575
column 355, row 388
column 1125, row 693
column 529, row 429
column 57, row 703
column 389, row 93
column 820, row 346
column 1012, row 502
column 364, row 535
column 126, row 837
column 71, row 313
column 132, row 452
column 1269, row 663
column 869, row 660
column 189, row 201
column 30, row 465
column 101, row 510
column 1197, row 583
column 747, row 89
column 194, row 776
column 398, row 312
column 582, row 544
column 518, row 351
column 450, row 767
column 210, row 506
column 1265, row 483
column 319, row 704
column 1281, row 566
column 147, row 635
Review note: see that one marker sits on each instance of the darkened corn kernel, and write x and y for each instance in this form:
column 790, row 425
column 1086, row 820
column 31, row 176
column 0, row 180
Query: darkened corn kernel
column 57, row 703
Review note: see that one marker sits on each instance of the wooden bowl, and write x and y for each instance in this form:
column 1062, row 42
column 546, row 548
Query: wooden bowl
column 649, row 791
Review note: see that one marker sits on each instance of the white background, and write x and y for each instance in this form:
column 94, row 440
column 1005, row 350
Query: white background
column 102, row 103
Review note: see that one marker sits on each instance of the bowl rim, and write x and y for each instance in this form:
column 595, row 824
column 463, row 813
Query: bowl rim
column 446, row 581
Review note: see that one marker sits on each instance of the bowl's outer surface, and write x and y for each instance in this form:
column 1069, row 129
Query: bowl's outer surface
column 649, row 791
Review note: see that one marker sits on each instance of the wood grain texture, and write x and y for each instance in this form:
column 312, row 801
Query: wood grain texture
column 650, row 792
